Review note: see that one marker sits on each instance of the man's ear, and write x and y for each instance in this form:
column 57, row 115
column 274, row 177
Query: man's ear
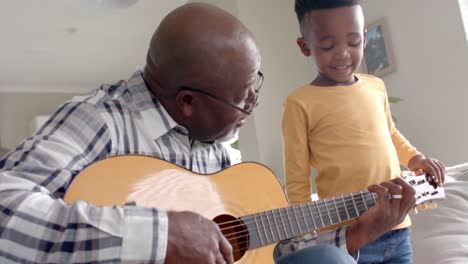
column 303, row 47
column 184, row 101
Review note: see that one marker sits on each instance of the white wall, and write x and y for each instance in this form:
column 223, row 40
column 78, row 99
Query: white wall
column 430, row 52
column 275, row 26
column 431, row 55
column 17, row 111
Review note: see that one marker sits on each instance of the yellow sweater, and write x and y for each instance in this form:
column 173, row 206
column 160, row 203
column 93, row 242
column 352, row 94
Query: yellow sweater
column 347, row 134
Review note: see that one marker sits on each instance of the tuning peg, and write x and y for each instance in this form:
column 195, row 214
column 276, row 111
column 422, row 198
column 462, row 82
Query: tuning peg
column 433, row 205
column 423, row 206
column 426, row 206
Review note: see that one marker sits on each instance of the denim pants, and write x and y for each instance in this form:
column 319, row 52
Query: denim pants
column 391, row 248
column 326, row 254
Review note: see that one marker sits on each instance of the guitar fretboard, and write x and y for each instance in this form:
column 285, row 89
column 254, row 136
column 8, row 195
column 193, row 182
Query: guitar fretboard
column 274, row 225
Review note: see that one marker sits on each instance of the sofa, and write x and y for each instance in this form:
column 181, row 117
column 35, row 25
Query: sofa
column 440, row 236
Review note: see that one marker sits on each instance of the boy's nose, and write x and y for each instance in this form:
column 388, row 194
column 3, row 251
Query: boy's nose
column 342, row 54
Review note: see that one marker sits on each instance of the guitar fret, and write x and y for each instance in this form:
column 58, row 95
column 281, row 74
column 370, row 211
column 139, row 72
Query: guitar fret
column 337, row 213
column 345, row 207
column 370, row 200
column 269, row 226
column 312, row 216
column 282, row 222
column 320, row 214
column 290, row 222
column 305, row 219
column 276, row 224
column 335, row 219
column 258, row 230
column 351, row 206
column 297, row 220
column 364, row 200
column 328, row 211
column 354, row 203
column 264, row 228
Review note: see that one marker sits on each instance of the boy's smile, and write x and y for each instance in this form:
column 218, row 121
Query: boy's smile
column 343, row 69
column 335, row 39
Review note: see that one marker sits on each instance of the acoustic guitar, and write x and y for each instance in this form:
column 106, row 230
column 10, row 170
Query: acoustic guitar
column 246, row 200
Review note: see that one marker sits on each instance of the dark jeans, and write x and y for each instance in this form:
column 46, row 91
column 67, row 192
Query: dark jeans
column 393, row 247
column 325, row 254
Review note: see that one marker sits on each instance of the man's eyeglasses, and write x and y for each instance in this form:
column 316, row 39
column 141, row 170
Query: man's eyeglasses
column 246, row 106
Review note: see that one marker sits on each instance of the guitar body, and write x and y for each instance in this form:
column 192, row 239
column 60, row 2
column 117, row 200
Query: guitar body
column 243, row 189
column 246, row 200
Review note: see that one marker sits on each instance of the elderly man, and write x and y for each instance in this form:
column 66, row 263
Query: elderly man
column 200, row 82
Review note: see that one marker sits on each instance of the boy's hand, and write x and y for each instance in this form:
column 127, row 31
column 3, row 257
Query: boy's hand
column 430, row 166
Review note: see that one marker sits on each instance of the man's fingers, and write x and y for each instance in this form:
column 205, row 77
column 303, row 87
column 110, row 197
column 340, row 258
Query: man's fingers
column 381, row 191
column 408, row 191
column 220, row 259
column 393, row 188
column 226, row 250
column 401, row 182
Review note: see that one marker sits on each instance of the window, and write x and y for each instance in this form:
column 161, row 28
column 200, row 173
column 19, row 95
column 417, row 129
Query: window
column 464, row 12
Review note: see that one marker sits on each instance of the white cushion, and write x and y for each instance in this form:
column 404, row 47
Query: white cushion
column 441, row 235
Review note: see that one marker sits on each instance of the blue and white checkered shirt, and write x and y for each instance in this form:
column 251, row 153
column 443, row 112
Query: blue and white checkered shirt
column 36, row 226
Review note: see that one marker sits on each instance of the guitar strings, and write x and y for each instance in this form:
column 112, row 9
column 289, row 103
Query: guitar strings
column 320, row 206
column 278, row 221
column 245, row 233
column 320, row 209
column 258, row 226
column 299, row 221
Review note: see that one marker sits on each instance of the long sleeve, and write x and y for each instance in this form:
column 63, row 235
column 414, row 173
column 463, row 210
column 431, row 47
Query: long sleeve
column 403, row 147
column 36, row 226
column 296, row 153
column 335, row 237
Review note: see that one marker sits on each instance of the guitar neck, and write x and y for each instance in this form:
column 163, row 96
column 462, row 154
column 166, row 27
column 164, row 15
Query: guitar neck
column 274, row 225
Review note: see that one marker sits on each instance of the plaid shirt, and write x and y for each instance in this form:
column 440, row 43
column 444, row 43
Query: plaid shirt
column 335, row 237
column 36, row 226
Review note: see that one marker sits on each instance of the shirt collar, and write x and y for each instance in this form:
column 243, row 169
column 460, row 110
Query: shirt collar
column 150, row 108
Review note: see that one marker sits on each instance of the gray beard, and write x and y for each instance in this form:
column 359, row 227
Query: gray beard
column 230, row 136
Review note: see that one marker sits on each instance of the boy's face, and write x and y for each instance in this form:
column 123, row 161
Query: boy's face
column 335, row 38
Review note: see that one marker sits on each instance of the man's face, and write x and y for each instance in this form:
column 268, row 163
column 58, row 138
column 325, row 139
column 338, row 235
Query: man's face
column 220, row 112
column 336, row 41
column 219, row 87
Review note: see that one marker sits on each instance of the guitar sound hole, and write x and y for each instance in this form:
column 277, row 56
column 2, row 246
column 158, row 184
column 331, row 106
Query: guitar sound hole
column 236, row 233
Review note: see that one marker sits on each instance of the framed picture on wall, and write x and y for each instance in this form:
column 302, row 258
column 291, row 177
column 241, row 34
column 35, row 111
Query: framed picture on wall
column 378, row 56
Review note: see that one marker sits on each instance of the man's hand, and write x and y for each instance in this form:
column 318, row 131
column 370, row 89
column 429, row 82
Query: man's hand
column 386, row 214
column 195, row 239
column 430, row 166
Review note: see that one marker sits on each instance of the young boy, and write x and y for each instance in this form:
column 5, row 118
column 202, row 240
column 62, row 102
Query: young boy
column 341, row 122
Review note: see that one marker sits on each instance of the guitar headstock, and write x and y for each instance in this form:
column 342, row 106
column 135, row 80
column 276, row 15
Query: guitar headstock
column 426, row 190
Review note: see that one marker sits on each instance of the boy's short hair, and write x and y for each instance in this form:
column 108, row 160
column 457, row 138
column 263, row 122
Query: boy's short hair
column 302, row 7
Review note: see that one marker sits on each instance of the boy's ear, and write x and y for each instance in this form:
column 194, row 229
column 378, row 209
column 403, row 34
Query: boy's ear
column 365, row 39
column 303, row 46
